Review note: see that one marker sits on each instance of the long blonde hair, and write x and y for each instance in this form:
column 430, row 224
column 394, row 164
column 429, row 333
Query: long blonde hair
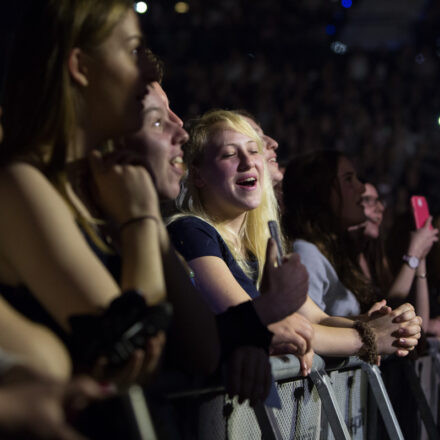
column 41, row 102
column 254, row 232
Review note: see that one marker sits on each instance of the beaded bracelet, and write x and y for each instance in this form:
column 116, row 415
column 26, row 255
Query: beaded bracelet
column 138, row 219
column 368, row 352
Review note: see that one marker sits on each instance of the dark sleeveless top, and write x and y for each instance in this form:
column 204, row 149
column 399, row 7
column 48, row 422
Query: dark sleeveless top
column 21, row 298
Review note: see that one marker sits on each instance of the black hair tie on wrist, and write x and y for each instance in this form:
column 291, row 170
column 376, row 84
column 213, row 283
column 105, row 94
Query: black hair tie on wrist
column 239, row 326
column 119, row 330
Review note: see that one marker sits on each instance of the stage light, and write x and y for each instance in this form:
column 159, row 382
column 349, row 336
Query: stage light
column 338, row 47
column 181, row 7
column 346, row 3
column 141, row 7
column 438, row 120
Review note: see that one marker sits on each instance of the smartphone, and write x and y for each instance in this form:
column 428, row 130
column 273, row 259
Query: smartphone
column 420, row 210
column 275, row 234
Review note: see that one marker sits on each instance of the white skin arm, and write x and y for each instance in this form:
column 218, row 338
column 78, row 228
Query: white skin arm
column 335, row 336
column 421, row 300
column 221, row 291
column 41, row 241
column 34, row 345
column 126, row 192
column 420, row 244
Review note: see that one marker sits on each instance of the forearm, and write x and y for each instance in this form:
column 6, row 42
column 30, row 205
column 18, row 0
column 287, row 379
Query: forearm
column 421, row 302
column 193, row 337
column 33, row 344
column 334, row 341
column 141, row 260
column 402, row 284
column 338, row 321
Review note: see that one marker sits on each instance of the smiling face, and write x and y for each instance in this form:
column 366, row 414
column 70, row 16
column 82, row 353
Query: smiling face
column 270, row 147
column 345, row 195
column 230, row 175
column 117, row 73
column 373, row 209
column 160, row 143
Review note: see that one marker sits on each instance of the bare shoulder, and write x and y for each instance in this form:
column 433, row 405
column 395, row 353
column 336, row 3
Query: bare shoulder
column 24, row 187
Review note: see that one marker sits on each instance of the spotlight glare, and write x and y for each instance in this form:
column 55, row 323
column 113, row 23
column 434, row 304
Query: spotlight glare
column 338, row 47
column 141, row 7
column 438, row 120
column 181, row 7
column 347, row 3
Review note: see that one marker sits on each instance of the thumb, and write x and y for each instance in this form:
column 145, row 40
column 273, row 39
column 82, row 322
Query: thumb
column 271, row 253
column 428, row 223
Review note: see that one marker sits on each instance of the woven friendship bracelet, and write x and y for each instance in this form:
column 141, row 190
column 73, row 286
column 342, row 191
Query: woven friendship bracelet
column 368, row 352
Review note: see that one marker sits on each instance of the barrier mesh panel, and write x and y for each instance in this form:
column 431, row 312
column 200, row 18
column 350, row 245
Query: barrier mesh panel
column 429, row 381
column 300, row 417
column 351, row 390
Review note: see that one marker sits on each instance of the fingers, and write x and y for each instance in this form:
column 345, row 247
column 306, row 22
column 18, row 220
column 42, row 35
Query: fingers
column 248, row 374
column 403, row 313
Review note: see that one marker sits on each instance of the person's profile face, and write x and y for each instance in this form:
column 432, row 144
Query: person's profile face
column 346, row 195
column 269, row 149
column 159, row 142
column 117, row 76
column 373, row 209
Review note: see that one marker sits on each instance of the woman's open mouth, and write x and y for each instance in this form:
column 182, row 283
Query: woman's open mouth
column 247, row 182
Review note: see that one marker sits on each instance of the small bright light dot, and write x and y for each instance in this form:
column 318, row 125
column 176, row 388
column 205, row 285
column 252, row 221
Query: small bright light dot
column 438, row 120
column 141, row 7
column 338, row 47
column 346, row 3
column 181, row 7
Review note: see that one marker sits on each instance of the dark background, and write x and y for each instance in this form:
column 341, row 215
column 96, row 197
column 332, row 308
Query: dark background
column 316, row 74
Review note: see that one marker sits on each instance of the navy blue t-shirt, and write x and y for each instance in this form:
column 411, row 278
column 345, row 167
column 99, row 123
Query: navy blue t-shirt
column 194, row 238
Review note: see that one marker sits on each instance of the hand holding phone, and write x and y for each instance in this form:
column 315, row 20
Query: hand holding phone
column 275, row 234
column 420, row 211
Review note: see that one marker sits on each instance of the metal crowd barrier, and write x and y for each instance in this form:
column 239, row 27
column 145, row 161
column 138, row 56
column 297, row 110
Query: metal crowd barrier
column 342, row 399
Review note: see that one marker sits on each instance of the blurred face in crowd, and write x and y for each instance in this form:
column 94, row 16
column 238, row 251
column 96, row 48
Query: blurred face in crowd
column 373, row 209
column 346, row 195
column 270, row 147
column 115, row 79
column 230, row 176
column 160, row 142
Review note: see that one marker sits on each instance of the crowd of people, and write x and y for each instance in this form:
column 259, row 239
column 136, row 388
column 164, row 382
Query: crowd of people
column 99, row 291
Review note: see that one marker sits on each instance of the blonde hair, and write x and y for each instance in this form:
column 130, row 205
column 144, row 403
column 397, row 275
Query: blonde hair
column 254, row 232
column 40, row 115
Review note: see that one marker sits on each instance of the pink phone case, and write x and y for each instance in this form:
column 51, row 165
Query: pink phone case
column 420, row 210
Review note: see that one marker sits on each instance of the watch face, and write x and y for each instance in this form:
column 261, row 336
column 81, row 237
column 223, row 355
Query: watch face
column 413, row 262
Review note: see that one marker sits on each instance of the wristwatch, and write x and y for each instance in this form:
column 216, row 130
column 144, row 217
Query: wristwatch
column 411, row 261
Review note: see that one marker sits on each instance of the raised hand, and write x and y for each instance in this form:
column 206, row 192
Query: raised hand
column 284, row 288
column 124, row 189
column 422, row 240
